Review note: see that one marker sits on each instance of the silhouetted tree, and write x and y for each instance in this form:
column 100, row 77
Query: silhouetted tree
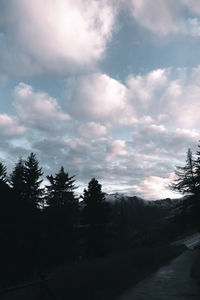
column 8, row 225
column 17, row 180
column 62, row 213
column 197, row 171
column 60, row 192
column 196, row 207
column 95, row 206
column 25, row 182
column 96, row 213
column 186, row 181
column 32, row 180
column 3, row 173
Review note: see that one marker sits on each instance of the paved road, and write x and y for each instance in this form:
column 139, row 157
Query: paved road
column 171, row 282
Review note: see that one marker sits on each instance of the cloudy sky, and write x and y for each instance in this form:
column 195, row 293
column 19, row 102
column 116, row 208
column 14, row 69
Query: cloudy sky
column 107, row 88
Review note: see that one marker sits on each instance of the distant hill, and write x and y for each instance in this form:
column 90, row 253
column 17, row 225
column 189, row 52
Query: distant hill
column 170, row 206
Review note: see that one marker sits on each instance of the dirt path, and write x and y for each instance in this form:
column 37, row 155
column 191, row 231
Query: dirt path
column 171, row 282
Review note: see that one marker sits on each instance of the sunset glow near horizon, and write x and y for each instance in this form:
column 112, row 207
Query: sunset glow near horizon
column 109, row 89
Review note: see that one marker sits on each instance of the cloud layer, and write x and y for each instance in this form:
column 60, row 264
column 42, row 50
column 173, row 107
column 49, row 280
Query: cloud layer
column 66, row 37
column 56, row 37
column 37, row 109
column 159, row 16
column 100, row 97
column 64, row 98
column 157, row 109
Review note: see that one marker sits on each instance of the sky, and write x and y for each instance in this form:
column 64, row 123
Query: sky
column 106, row 88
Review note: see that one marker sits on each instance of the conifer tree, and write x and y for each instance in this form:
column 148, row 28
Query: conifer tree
column 186, row 180
column 3, row 173
column 25, row 184
column 60, row 192
column 32, row 174
column 197, row 171
column 95, row 206
column 17, row 179
column 62, row 213
column 96, row 213
column 25, row 180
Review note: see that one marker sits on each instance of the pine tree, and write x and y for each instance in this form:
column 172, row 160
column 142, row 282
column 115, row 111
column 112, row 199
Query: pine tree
column 197, row 171
column 96, row 213
column 32, row 181
column 17, row 179
column 186, row 181
column 3, row 173
column 95, row 206
column 25, row 180
column 62, row 213
column 60, row 192
column 25, row 183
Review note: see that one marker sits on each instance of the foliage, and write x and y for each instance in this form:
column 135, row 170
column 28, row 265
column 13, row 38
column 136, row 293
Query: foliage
column 17, row 179
column 25, row 224
column 186, row 179
column 25, row 180
column 60, row 192
column 96, row 212
column 61, row 216
column 35, row 239
column 197, row 170
column 96, row 209
column 32, row 180
column 3, row 173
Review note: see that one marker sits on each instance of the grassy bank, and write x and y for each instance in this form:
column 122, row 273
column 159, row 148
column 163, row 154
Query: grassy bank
column 102, row 279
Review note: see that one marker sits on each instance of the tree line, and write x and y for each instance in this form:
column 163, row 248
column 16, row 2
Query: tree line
column 44, row 227
column 41, row 228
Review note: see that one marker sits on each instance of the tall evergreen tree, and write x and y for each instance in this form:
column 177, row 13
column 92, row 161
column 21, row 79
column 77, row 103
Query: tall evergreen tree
column 62, row 213
column 33, row 197
column 8, row 230
column 60, row 192
column 25, row 180
column 17, row 179
column 3, row 173
column 197, row 171
column 96, row 213
column 32, row 180
column 25, row 217
column 186, row 181
column 95, row 206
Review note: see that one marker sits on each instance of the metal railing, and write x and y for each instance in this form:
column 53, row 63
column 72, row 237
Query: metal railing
column 43, row 291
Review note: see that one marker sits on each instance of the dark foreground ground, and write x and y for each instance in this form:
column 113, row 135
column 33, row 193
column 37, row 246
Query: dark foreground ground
column 100, row 279
column 171, row 282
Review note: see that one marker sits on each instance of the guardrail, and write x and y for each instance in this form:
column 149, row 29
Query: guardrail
column 43, row 288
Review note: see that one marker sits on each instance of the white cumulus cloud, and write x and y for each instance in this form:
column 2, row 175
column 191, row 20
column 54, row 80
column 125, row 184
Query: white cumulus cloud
column 115, row 149
column 92, row 130
column 100, row 97
column 10, row 125
column 54, row 35
column 153, row 187
column 142, row 88
column 159, row 16
column 37, row 109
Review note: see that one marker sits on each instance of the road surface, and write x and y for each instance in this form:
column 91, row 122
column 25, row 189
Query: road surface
column 171, row 282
